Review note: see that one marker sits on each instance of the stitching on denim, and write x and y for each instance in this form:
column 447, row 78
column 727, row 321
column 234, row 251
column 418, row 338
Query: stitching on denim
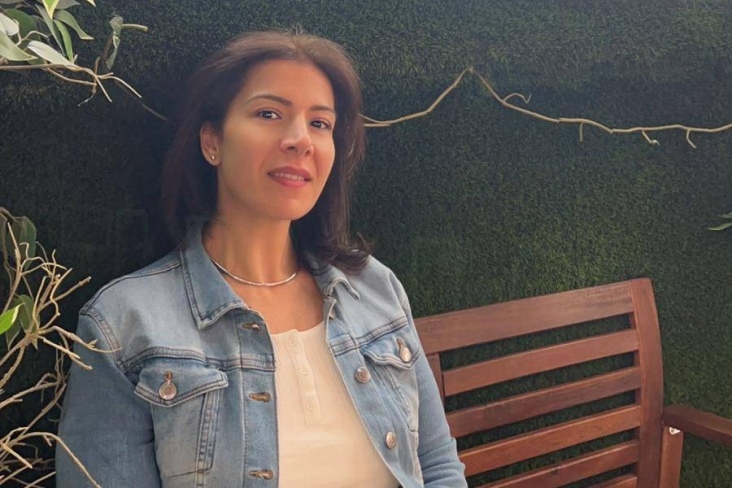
column 207, row 436
column 356, row 343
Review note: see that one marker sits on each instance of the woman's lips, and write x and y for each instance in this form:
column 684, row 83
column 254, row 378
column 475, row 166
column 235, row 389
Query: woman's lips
column 290, row 176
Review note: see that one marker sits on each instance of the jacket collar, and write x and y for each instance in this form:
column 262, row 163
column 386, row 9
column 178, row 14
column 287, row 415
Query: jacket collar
column 210, row 297
column 328, row 277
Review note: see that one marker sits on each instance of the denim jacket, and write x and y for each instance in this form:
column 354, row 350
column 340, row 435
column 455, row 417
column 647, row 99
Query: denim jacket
column 185, row 397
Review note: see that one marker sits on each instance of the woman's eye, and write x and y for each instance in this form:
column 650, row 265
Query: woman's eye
column 268, row 114
column 322, row 124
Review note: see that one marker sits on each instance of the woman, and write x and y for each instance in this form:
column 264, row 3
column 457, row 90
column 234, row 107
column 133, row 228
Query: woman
column 267, row 350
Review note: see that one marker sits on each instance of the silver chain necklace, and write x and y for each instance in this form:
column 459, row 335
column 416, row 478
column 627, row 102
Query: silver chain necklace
column 253, row 283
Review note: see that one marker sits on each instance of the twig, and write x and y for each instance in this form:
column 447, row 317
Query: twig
column 40, row 385
column 72, row 355
column 386, row 123
column 70, row 80
column 96, row 84
column 17, row 456
column 19, row 348
column 141, row 103
column 39, row 480
column 48, row 437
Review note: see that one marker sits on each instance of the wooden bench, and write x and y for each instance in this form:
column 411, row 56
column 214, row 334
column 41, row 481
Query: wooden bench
column 618, row 325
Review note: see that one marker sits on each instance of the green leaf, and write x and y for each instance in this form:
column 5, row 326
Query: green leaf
column 68, row 46
column 48, row 53
column 64, row 4
column 116, row 24
column 10, row 51
column 12, row 334
column 9, row 2
column 49, row 24
column 50, row 6
column 25, row 21
column 27, row 319
column 8, row 25
column 8, row 319
column 69, row 20
column 722, row 226
column 25, row 235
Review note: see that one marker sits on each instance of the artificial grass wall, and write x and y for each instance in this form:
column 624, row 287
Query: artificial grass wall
column 470, row 205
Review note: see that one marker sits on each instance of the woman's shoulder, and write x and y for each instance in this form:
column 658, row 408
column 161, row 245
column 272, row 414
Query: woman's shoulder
column 376, row 285
column 143, row 285
column 377, row 275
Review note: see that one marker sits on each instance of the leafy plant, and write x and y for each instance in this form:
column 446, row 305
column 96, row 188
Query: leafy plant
column 40, row 35
column 36, row 283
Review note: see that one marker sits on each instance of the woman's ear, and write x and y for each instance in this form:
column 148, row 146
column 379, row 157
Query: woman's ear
column 209, row 144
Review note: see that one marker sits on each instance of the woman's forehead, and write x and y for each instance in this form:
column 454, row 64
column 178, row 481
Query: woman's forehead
column 288, row 82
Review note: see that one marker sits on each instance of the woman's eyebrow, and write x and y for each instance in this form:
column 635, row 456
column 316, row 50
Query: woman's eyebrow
column 288, row 103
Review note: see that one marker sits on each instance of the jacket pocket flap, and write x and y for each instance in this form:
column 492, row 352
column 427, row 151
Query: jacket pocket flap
column 398, row 348
column 169, row 382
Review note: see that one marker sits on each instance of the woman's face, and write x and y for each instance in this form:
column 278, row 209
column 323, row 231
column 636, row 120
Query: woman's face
column 275, row 149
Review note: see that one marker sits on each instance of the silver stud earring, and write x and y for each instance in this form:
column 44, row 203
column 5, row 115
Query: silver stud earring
column 213, row 157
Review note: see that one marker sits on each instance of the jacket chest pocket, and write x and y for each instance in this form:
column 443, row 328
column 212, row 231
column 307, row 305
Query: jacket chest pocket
column 184, row 397
column 393, row 357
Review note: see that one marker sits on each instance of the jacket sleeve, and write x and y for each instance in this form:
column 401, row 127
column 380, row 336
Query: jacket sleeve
column 437, row 450
column 105, row 425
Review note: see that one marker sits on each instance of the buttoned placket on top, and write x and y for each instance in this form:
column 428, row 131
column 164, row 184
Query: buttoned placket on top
column 253, row 335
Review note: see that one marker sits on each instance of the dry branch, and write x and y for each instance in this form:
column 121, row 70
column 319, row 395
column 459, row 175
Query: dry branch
column 39, row 326
column 579, row 121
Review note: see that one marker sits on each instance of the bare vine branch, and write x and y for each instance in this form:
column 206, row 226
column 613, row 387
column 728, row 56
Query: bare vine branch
column 386, row 123
column 579, row 121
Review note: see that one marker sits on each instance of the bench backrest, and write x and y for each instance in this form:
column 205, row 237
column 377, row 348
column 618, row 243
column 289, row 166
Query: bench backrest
column 635, row 375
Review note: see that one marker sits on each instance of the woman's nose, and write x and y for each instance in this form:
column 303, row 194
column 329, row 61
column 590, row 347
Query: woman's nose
column 297, row 138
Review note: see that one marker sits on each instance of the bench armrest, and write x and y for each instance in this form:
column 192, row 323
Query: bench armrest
column 701, row 424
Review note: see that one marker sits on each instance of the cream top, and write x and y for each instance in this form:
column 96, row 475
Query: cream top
column 321, row 440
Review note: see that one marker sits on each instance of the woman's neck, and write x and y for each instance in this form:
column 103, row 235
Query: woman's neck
column 261, row 253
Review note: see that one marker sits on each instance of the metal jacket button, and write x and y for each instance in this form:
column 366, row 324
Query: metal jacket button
column 168, row 389
column 252, row 326
column 264, row 474
column 260, row 397
column 363, row 375
column 391, row 440
column 404, row 353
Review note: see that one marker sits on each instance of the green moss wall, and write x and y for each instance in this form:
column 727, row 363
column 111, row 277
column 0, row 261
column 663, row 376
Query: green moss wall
column 470, row 205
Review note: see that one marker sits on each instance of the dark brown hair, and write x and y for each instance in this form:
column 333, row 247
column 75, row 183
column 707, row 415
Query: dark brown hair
column 189, row 184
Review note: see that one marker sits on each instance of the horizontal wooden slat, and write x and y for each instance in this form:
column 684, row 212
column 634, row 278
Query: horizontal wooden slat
column 575, row 469
column 540, row 402
column 486, row 373
column 536, row 443
column 699, row 423
column 625, row 481
column 453, row 330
